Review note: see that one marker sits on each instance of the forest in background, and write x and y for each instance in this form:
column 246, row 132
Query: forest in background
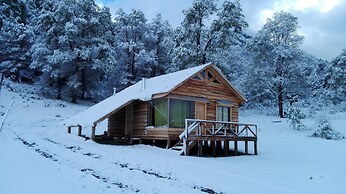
column 74, row 49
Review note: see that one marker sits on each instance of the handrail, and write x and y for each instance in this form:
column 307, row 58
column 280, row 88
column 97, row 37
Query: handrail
column 224, row 122
column 224, row 125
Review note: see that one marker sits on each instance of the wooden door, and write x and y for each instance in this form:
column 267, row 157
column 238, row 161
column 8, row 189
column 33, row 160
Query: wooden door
column 200, row 110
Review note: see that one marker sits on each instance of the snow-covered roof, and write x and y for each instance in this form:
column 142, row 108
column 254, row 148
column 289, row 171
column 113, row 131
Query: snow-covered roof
column 155, row 85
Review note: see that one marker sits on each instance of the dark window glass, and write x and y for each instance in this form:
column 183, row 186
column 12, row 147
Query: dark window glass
column 197, row 77
column 203, row 74
column 210, row 76
column 216, row 81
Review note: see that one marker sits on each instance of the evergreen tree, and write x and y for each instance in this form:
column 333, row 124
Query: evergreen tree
column 132, row 39
column 15, row 40
column 161, row 45
column 335, row 79
column 73, row 47
column 197, row 43
column 277, row 70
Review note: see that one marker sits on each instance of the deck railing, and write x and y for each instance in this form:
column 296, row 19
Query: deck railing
column 205, row 130
column 198, row 127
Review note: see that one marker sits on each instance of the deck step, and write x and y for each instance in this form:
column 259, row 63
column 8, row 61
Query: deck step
column 177, row 148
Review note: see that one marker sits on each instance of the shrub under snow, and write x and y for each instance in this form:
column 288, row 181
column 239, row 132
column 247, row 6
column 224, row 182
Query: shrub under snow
column 326, row 131
column 294, row 116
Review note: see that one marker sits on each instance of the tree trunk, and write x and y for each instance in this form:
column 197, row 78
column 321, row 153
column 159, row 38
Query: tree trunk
column 59, row 89
column 83, row 84
column 74, row 97
column 280, row 101
column 2, row 79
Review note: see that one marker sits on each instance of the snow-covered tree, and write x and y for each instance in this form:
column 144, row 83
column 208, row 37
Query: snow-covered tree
column 73, row 47
column 335, row 79
column 131, row 39
column 161, row 45
column 15, row 39
column 278, row 70
column 196, row 42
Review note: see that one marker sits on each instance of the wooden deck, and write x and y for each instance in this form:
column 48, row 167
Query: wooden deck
column 205, row 133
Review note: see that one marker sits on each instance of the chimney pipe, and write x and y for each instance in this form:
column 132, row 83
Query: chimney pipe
column 114, row 91
column 144, row 83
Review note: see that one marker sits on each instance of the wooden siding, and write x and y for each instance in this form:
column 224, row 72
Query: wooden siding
column 235, row 113
column 116, row 123
column 163, row 133
column 211, row 91
column 128, row 121
column 139, row 117
column 205, row 89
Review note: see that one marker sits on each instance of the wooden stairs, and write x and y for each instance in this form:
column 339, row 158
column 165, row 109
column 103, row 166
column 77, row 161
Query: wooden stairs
column 179, row 147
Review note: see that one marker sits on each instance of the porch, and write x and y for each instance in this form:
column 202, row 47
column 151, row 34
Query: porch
column 210, row 135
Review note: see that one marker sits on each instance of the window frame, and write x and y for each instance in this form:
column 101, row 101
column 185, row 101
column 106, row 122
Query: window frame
column 151, row 112
column 222, row 116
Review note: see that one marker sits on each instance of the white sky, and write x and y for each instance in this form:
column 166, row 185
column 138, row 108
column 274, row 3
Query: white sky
column 322, row 21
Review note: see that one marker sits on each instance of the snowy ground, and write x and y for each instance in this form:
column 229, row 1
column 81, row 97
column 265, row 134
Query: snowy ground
column 38, row 156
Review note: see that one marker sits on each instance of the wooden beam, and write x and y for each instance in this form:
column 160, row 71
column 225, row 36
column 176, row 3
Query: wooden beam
column 226, row 147
column 255, row 147
column 213, row 151
column 200, row 148
column 246, row 147
column 189, row 98
column 79, row 130
column 168, row 144
column 205, row 144
column 69, row 129
column 93, row 129
column 235, row 148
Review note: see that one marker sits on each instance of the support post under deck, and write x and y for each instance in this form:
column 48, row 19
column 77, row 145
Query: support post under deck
column 79, row 130
column 235, row 148
column 200, row 148
column 226, row 147
column 213, row 151
column 93, row 129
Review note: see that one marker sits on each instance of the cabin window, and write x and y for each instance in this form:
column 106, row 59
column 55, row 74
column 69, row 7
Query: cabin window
column 210, row 75
column 179, row 110
column 203, row 74
column 216, row 81
column 157, row 113
column 223, row 113
column 196, row 77
column 174, row 110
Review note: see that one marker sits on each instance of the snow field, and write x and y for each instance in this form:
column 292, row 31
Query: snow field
column 38, row 156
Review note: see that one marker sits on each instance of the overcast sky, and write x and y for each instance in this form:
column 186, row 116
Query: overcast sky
column 322, row 21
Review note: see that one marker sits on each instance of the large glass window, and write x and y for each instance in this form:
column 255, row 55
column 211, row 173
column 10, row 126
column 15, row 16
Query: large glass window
column 157, row 113
column 179, row 110
column 223, row 113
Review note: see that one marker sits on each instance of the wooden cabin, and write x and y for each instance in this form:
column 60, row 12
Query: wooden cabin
column 158, row 109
